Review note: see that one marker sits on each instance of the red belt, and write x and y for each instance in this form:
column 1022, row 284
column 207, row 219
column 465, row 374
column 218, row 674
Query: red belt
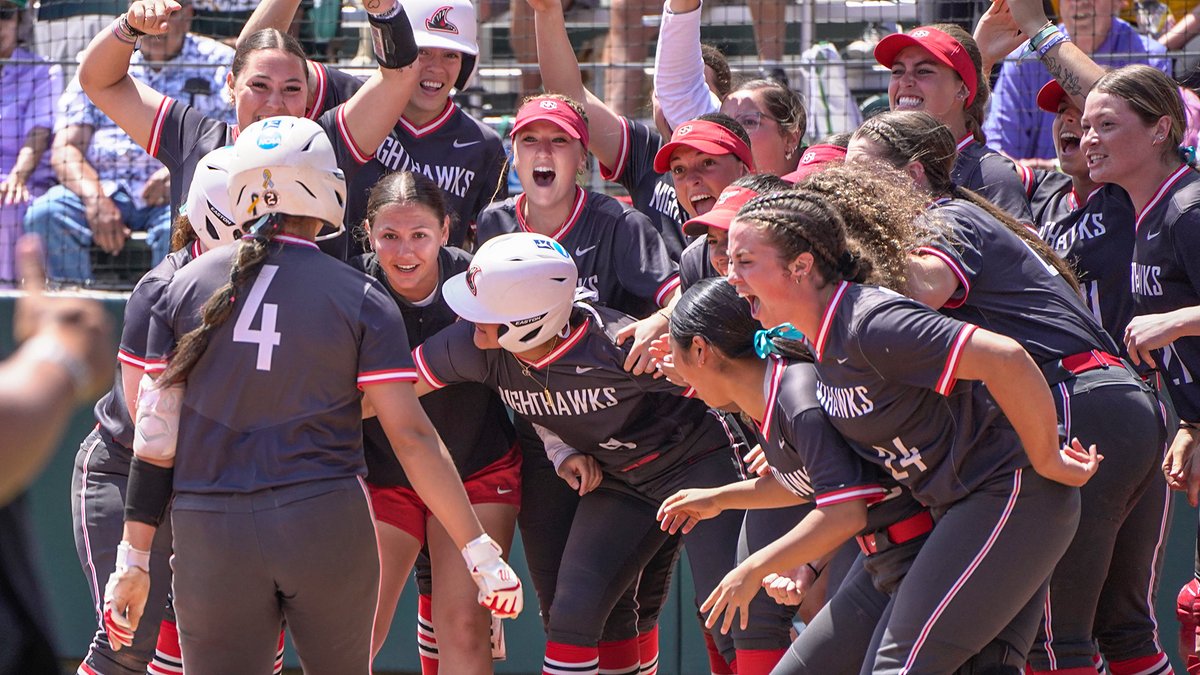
column 897, row 533
column 1085, row 361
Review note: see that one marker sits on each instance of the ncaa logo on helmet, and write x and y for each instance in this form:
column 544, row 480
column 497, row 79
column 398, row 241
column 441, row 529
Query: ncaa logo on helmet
column 438, row 21
column 920, row 33
column 269, row 136
column 471, row 274
column 549, row 105
column 551, row 245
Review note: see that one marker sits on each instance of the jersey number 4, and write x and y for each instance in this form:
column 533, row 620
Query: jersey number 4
column 897, row 459
column 265, row 336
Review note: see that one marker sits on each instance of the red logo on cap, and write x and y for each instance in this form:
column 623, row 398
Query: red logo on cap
column 920, row 33
column 471, row 274
column 685, row 130
column 440, row 22
column 549, row 105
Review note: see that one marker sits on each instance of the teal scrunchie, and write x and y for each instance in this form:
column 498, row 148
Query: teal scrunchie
column 764, row 340
column 1187, row 153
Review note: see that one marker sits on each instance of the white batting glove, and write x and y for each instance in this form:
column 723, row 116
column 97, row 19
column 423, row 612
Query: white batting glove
column 499, row 586
column 125, row 595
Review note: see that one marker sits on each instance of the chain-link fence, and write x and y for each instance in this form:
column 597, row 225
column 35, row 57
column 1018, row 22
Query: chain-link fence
column 70, row 173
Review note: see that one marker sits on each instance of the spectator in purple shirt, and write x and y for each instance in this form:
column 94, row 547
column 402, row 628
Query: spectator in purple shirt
column 28, row 91
column 1015, row 125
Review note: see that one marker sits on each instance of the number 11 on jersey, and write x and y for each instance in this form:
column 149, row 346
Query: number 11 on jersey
column 265, row 336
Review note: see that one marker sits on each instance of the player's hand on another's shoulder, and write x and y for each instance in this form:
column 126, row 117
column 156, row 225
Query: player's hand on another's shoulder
column 499, row 586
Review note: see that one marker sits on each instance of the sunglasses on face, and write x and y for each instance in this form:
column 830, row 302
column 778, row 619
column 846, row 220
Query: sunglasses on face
column 753, row 120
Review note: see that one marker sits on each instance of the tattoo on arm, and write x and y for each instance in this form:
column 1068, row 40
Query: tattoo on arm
column 1066, row 78
column 372, row 5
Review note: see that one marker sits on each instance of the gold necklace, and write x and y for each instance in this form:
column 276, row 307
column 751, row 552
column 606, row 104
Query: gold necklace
column 546, row 396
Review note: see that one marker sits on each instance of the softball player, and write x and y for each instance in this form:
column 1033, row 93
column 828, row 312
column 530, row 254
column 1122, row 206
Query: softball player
column 559, row 368
column 707, row 256
column 101, row 474
column 938, row 69
column 1020, row 289
column 282, row 479
column 433, row 136
column 897, row 399
column 407, row 221
column 714, row 344
column 268, row 77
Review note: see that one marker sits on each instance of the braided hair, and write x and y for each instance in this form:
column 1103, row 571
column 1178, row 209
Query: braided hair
column 802, row 221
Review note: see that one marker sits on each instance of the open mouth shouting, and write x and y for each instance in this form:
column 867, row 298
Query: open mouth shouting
column 543, row 176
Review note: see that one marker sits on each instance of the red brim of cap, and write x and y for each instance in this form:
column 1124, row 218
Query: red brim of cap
column 662, row 160
column 556, row 120
column 718, row 217
column 891, row 46
column 1050, row 96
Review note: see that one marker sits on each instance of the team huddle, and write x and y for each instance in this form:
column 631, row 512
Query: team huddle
column 930, row 400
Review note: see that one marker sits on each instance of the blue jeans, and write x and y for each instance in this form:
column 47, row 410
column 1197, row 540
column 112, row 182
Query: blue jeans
column 60, row 217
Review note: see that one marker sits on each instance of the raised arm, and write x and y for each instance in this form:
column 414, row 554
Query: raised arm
column 277, row 14
column 1073, row 69
column 679, row 83
column 560, row 75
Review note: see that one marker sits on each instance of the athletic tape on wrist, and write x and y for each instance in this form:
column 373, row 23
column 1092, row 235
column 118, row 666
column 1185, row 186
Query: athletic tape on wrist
column 392, row 40
column 128, row 556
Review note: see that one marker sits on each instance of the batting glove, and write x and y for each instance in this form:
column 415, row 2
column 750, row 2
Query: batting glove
column 125, row 595
column 499, row 586
column 1187, row 610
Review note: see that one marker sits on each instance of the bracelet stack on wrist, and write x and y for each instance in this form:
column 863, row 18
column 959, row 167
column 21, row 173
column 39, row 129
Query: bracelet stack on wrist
column 1045, row 39
column 125, row 32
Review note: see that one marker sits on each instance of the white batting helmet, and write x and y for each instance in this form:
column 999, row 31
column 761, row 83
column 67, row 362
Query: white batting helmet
column 447, row 24
column 522, row 281
column 286, row 165
column 208, row 208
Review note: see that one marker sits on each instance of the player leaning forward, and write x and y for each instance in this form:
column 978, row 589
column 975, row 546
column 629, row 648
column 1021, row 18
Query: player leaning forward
column 270, row 517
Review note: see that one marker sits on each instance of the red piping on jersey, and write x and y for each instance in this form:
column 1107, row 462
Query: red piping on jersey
column 393, row 375
column 319, row 99
column 1026, row 178
column 827, row 318
column 572, row 339
column 871, row 493
column 775, row 376
column 964, row 142
column 622, row 154
column 156, row 129
column 130, row 359
column 423, row 367
column 197, row 251
column 1158, row 195
column 576, row 211
column 294, row 241
column 947, row 379
column 668, row 287
column 958, row 273
column 358, row 155
column 442, row 118
column 154, row 366
column 966, row 575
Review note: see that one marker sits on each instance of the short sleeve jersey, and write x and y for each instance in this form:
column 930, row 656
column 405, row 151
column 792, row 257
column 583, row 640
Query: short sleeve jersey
column 274, row 400
column 653, row 193
column 1007, row 288
column 1049, row 198
column 637, row 427
column 112, row 410
column 694, row 264
column 886, row 379
column 994, row 176
column 334, row 87
column 469, row 417
column 1165, row 276
column 619, row 254
column 1092, row 233
column 461, row 154
column 182, row 136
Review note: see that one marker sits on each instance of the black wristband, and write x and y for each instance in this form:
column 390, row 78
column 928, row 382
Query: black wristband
column 392, row 40
column 149, row 492
column 816, row 572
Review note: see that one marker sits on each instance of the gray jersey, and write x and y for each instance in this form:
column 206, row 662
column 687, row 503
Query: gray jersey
column 886, row 379
column 1011, row 290
column 619, row 254
column 652, row 193
column 112, row 410
column 274, row 400
column 637, row 427
column 994, row 176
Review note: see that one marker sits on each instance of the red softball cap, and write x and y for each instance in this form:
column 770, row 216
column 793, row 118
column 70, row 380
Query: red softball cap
column 1050, row 96
column 720, row 215
column 555, row 110
column 706, row 137
column 814, row 157
column 943, row 47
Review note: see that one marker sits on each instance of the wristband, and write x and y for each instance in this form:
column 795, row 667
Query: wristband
column 1054, row 40
column 816, row 572
column 1191, row 426
column 392, row 39
column 128, row 556
column 386, row 15
column 49, row 350
column 1042, row 34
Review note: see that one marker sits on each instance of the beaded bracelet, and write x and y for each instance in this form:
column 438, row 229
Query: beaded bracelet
column 125, row 32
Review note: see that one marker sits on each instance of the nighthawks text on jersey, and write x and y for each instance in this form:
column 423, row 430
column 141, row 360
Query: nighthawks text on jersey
column 569, row 402
column 844, row 402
